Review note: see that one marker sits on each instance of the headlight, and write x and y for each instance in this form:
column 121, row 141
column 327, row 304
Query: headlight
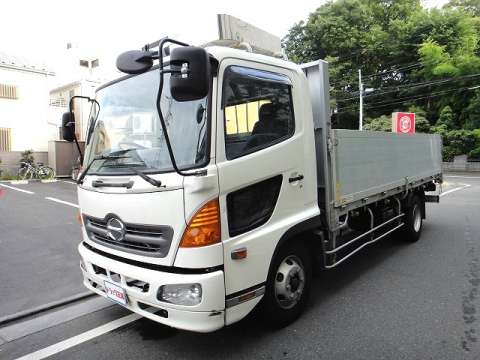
column 180, row 294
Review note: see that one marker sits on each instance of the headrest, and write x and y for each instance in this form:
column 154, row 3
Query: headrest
column 266, row 111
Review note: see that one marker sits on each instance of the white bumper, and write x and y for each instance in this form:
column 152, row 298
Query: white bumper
column 208, row 315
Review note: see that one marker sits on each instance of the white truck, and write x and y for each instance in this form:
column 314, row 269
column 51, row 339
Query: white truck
column 213, row 182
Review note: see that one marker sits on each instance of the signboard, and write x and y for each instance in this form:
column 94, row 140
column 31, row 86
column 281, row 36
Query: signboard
column 403, row 123
column 232, row 28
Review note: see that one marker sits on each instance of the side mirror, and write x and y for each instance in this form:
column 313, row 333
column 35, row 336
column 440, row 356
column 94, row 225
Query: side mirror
column 192, row 82
column 134, row 61
column 68, row 126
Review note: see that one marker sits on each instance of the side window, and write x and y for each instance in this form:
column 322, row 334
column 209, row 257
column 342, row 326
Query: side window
column 258, row 110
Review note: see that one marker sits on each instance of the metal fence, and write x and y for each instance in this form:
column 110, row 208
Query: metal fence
column 461, row 166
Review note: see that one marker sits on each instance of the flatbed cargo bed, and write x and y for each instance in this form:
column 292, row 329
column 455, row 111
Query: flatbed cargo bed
column 370, row 165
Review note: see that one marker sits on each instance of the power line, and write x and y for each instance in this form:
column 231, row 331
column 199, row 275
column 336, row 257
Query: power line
column 413, row 85
column 406, row 67
column 384, row 104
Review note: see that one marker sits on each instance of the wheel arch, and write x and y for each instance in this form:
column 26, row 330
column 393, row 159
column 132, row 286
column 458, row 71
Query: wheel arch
column 302, row 232
column 421, row 194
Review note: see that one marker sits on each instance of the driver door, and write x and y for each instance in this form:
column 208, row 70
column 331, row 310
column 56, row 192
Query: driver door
column 261, row 157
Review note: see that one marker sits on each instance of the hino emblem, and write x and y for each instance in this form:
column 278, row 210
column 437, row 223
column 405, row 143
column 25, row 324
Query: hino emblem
column 116, row 229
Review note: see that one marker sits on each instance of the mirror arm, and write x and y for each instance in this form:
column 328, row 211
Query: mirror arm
column 160, row 115
column 70, row 109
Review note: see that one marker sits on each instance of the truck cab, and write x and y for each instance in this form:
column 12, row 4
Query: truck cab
column 195, row 252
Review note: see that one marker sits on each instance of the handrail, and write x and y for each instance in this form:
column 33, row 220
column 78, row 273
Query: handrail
column 330, row 252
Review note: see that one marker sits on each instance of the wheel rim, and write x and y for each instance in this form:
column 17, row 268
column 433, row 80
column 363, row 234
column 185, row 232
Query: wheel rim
column 417, row 219
column 289, row 282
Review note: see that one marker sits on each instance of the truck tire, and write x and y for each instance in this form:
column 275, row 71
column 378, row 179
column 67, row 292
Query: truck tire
column 288, row 285
column 412, row 229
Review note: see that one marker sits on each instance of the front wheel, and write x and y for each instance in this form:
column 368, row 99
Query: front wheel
column 412, row 229
column 288, row 285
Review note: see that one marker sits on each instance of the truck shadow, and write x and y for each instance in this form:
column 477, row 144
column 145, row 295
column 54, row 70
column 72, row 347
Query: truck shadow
column 242, row 338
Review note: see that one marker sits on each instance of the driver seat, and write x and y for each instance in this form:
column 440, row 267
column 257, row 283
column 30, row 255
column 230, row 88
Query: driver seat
column 265, row 123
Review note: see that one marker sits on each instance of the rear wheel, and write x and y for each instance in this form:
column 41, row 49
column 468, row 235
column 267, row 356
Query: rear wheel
column 288, row 285
column 412, row 229
column 45, row 172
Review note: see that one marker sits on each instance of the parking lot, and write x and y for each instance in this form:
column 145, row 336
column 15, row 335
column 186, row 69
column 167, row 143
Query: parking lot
column 38, row 233
column 395, row 300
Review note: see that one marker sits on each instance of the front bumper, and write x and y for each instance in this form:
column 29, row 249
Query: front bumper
column 141, row 286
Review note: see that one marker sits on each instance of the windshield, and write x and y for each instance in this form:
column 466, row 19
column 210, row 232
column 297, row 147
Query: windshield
column 128, row 125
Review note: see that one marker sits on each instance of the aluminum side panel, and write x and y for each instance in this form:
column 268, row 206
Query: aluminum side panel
column 369, row 162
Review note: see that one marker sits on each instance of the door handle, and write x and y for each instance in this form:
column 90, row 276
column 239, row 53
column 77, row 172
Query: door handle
column 295, row 178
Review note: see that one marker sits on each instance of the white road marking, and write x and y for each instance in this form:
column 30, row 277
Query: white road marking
column 462, row 177
column 62, row 202
column 81, row 338
column 74, row 183
column 455, row 189
column 17, row 189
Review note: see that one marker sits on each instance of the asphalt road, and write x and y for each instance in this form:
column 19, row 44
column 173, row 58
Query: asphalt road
column 392, row 301
column 38, row 236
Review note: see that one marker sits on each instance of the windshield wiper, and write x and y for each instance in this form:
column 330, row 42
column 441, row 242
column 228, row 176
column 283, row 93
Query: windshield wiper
column 96, row 158
column 144, row 176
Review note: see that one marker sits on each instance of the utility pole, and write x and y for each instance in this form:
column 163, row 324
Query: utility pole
column 360, row 90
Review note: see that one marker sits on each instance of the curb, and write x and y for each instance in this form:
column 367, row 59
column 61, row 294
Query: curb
column 42, row 308
column 26, row 182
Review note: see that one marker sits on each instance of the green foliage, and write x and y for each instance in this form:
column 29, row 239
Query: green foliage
column 475, row 153
column 458, row 142
column 27, row 156
column 8, row 176
column 396, row 44
column 472, row 121
column 382, row 123
column 469, row 6
column 446, row 118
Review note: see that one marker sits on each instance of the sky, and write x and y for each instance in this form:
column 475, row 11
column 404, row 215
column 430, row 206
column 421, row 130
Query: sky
column 41, row 29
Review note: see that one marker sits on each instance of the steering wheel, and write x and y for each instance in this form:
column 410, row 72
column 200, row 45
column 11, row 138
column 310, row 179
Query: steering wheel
column 130, row 145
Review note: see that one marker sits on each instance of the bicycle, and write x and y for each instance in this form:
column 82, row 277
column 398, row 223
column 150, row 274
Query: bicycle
column 29, row 171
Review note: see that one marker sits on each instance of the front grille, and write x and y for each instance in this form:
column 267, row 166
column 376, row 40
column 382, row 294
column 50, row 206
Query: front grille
column 151, row 240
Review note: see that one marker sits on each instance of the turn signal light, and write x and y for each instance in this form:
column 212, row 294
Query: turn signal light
column 79, row 218
column 204, row 228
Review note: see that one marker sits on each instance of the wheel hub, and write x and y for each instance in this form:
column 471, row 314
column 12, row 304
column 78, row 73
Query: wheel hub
column 289, row 282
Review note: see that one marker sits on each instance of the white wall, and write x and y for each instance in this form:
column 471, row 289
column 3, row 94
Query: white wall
column 27, row 115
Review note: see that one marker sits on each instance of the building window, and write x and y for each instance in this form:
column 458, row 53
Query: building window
column 8, row 92
column 5, row 139
column 58, row 102
column 84, row 63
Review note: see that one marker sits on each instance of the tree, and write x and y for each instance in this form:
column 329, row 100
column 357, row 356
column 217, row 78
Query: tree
column 458, row 142
column 473, row 113
column 27, row 156
column 470, row 6
column 446, row 118
column 382, row 123
column 408, row 55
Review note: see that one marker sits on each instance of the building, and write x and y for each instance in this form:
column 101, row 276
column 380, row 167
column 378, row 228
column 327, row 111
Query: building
column 60, row 98
column 24, row 104
column 81, row 71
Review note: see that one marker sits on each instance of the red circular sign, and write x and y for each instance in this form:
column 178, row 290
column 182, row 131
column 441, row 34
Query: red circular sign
column 405, row 124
